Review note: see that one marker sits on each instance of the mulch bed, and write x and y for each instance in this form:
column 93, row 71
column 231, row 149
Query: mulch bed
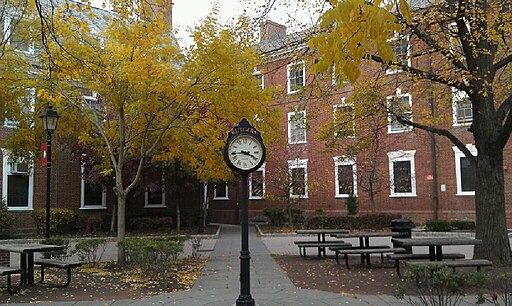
column 106, row 281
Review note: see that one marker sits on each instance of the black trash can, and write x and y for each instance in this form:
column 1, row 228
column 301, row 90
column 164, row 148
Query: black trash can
column 404, row 229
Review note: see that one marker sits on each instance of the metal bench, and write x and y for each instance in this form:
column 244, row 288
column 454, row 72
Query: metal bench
column 406, row 256
column 8, row 271
column 321, row 245
column 360, row 247
column 478, row 263
column 366, row 251
column 59, row 264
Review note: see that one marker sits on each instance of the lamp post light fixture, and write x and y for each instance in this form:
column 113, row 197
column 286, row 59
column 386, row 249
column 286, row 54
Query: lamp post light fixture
column 49, row 120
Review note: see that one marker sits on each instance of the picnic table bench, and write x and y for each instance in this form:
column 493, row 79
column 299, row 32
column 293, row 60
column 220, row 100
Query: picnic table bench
column 8, row 271
column 321, row 245
column 365, row 252
column 59, row 264
column 405, row 256
column 453, row 263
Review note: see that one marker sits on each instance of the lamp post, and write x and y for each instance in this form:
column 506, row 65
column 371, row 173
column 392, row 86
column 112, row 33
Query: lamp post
column 49, row 120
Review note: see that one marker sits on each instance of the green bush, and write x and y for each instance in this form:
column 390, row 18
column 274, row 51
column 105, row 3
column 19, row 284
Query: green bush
column 93, row 223
column 6, row 221
column 148, row 251
column 87, row 250
column 298, row 215
column 352, row 205
column 61, row 254
column 276, row 215
column 62, row 220
column 438, row 226
column 149, row 223
column 463, row 225
column 319, row 212
column 364, row 222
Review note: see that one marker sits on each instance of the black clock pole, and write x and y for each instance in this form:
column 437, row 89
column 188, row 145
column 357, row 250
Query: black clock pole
column 245, row 297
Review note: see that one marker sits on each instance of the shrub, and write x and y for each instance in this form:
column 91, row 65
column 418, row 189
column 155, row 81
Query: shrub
column 87, row 250
column 62, row 220
column 147, row 251
column 298, row 215
column 149, row 223
column 61, row 254
column 6, row 220
column 319, row 212
column 463, row 224
column 94, row 223
column 275, row 214
column 352, row 205
column 438, row 226
column 364, row 222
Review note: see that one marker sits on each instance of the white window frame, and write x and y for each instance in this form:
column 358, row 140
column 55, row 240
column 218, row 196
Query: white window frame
column 102, row 205
column 457, row 96
column 396, row 157
column 258, row 74
column 344, row 161
column 255, row 197
column 335, row 109
column 294, row 164
column 398, row 36
column 404, row 129
column 146, row 196
column 458, row 154
column 7, row 37
column 293, row 125
column 217, row 198
column 6, row 172
column 289, row 67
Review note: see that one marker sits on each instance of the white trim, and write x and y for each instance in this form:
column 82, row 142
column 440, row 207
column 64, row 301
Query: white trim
column 404, row 129
column 295, row 164
column 344, row 161
column 216, row 198
column 339, row 106
column 157, row 205
column 257, row 74
column 290, row 122
column 398, row 36
column 458, row 155
column 402, row 156
column 253, row 197
column 6, row 172
column 102, row 205
column 457, row 96
column 288, row 68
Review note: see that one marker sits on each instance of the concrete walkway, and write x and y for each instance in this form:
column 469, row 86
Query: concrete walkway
column 219, row 284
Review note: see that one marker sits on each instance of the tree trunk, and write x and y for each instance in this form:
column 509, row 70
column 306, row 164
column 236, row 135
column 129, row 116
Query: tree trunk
column 491, row 224
column 121, row 200
column 178, row 216
column 113, row 219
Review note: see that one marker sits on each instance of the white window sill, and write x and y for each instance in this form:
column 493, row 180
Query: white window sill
column 220, row 199
column 299, row 196
column 341, row 196
column 92, row 207
column 403, row 195
column 20, row 209
column 462, row 124
column 466, row 193
column 298, row 142
column 154, row 206
column 399, row 131
column 255, row 198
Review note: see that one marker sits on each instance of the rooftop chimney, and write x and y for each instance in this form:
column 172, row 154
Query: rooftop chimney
column 270, row 29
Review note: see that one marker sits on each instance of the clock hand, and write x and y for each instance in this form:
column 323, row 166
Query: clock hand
column 247, row 153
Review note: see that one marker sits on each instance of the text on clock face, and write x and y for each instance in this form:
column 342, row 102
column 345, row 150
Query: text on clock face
column 245, row 153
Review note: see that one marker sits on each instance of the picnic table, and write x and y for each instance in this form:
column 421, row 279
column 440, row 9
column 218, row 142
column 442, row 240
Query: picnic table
column 26, row 251
column 435, row 244
column 320, row 243
column 364, row 241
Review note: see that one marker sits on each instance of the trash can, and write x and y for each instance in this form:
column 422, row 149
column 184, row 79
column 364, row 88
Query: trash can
column 404, row 229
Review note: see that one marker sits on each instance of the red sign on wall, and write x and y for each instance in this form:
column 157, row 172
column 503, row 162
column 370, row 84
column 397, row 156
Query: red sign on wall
column 44, row 154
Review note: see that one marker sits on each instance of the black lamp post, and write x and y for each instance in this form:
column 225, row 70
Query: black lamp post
column 49, row 119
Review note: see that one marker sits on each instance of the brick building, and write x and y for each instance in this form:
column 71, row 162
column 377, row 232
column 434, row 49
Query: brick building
column 420, row 176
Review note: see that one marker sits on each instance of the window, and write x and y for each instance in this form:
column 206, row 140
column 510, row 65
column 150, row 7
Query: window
column 298, row 172
column 465, row 172
column 400, row 45
column 297, row 127
column 344, row 120
column 259, row 77
column 221, row 191
column 399, row 104
column 26, row 103
column 257, row 183
column 345, row 177
column 92, row 194
column 19, row 38
column 402, row 175
column 17, row 183
column 154, row 195
column 296, row 77
column 462, row 108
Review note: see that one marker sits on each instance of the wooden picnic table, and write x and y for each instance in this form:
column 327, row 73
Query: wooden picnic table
column 26, row 251
column 364, row 240
column 435, row 244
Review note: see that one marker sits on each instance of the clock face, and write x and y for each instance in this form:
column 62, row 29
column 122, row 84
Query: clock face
column 245, row 152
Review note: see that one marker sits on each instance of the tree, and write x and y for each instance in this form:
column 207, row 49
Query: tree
column 137, row 98
column 458, row 44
